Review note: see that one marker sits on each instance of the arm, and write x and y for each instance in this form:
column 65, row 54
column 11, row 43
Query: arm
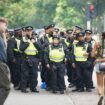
column 46, row 55
column 66, row 50
column 10, row 49
column 23, row 46
column 39, row 48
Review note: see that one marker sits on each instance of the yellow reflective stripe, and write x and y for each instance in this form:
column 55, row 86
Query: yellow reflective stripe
column 18, row 45
column 50, row 39
column 67, row 43
column 16, row 50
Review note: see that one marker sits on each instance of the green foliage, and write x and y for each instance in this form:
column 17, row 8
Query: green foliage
column 65, row 13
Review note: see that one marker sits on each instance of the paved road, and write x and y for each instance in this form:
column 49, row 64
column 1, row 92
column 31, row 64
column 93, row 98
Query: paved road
column 46, row 98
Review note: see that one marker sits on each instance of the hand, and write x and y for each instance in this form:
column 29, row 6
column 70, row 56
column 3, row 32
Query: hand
column 65, row 60
column 98, row 60
column 14, row 60
column 24, row 39
column 28, row 40
column 73, row 65
column 33, row 40
column 40, row 63
column 48, row 66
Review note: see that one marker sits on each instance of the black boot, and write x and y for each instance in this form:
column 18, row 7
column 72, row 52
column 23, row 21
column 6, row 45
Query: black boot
column 62, row 92
column 24, row 91
column 88, row 90
column 71, row 86
column 34, row 90
column 75, row 90
column 81, row 90
column 54, row 91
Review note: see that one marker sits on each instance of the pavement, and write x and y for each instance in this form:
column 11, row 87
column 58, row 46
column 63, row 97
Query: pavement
column 47, row 98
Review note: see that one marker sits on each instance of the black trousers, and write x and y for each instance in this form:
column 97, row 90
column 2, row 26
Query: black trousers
column 48, row 77
column 83, row 75
column 91, row 68
column 29, row 73
column 4, row 82
column 15, row 69
column 57, row 78
column 43, row 71
column 71, row 73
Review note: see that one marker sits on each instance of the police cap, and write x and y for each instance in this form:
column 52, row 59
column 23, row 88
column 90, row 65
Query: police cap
column 49, row 26
column 56, row 29
column 88, row 31
column 69, row 31
column 23, row 28
column 29, row 28
column 78, row 27
column 56, row 37
column 81, row 34
column 17, row 29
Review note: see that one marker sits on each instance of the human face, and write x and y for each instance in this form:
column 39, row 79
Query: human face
column 88, row 36
column 3, row 27
column 55, row 41
column 29, row 32
column 81, row 38
column 23, row 33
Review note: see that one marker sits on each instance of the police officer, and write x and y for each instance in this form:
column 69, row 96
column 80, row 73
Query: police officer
column 69, row 43
column 31, row 52
column 81, row 52
column 45, row 41
column 55, row 55
column 14, row 57
column 92, row 42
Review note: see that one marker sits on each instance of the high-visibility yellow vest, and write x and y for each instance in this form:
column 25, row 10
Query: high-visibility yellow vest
column 31, row 50
column 56, row 55
column 67, row 43
column 18, row 45
column 50, row 39
column 79, row 51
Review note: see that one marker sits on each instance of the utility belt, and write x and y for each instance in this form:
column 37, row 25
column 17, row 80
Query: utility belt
column 56, row 63
column 30, row 59
column 30, row 56
column 87, row 63
column 17, row 54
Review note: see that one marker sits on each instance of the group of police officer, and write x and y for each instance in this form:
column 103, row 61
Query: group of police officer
column 56, row 52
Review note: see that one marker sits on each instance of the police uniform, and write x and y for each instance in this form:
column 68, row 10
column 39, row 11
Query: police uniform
column 92, row 42
column 31, row 52
column 81, row 63
column 55, row 56
column 45, row 41
column 15, row 57
column 69, row 41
